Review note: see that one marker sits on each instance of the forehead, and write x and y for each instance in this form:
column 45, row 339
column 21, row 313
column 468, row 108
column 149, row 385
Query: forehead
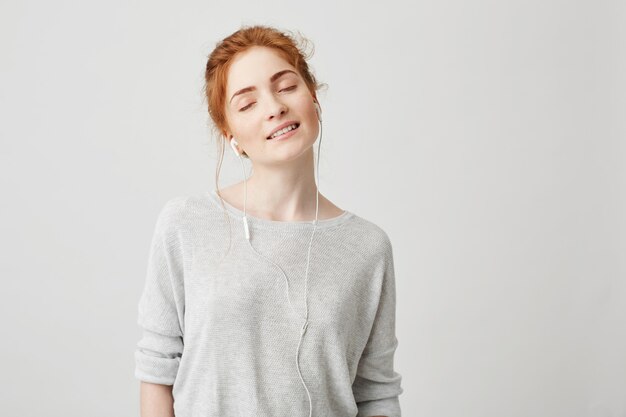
column 254, row 67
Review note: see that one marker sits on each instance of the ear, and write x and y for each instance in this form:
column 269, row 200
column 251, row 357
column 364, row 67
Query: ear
column 233, row 144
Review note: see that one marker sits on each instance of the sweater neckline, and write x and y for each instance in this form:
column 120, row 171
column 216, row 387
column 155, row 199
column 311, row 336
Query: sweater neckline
column 258, row 221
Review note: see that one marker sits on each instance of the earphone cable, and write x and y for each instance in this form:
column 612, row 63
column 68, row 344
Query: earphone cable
column 247, row 234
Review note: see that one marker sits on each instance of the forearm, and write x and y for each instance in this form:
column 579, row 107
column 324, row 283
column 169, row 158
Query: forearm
column 156, row 400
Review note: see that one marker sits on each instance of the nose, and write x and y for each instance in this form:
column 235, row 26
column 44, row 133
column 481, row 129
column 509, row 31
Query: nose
column 276, row 107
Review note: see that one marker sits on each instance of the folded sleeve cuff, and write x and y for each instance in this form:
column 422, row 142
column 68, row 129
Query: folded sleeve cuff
column 157, row 358
column 389, row 407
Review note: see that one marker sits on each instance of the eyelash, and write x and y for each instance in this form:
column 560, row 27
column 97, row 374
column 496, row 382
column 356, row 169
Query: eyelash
column 248, row 106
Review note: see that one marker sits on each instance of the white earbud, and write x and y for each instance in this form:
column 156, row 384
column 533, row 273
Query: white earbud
column 233, row 144
column 318, row 109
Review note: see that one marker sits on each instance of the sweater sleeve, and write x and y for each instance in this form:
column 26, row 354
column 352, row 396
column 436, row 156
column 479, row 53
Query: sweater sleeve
column 377, row 386
column 161, row 305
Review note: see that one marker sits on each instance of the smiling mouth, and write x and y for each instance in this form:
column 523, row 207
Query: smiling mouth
column 296, row 128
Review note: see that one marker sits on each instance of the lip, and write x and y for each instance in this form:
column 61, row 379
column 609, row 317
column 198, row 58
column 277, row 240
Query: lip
column 282, row 126
column 284, row 136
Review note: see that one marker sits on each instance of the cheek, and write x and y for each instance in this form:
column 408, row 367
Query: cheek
column 313, row 115
column 308, row 111
column 252, row 132
column 243, row 124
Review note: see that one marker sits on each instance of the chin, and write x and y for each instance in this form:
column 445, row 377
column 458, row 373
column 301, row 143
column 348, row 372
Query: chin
column 294, row 152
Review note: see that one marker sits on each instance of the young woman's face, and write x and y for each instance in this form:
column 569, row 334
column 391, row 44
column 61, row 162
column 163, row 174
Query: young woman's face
column 277, row 96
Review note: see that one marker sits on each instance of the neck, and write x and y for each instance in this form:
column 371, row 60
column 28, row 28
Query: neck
column 286, row 192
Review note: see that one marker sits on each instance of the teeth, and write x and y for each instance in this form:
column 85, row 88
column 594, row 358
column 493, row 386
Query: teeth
column 282, row 131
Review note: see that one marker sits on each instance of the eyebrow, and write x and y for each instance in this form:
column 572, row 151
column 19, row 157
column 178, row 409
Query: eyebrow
column 272, row 79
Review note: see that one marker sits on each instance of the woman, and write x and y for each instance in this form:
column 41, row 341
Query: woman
column 281, row 306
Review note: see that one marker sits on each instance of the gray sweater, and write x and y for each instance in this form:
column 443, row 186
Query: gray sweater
column 223, row 325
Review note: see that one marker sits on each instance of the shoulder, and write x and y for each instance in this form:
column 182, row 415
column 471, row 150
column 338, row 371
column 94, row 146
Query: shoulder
column 172, row 214
column 189, row 211
column 368, row 237
column 173, row 208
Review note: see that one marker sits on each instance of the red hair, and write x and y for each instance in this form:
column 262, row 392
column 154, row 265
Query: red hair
column 290, row 47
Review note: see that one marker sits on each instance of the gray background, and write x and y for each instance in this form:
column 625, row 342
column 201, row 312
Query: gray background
column 486, row 138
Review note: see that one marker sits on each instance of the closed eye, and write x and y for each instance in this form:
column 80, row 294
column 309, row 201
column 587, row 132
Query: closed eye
column 293, row 87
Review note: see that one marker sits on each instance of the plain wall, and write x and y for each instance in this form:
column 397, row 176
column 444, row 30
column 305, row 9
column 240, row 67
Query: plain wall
column 486, row 138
